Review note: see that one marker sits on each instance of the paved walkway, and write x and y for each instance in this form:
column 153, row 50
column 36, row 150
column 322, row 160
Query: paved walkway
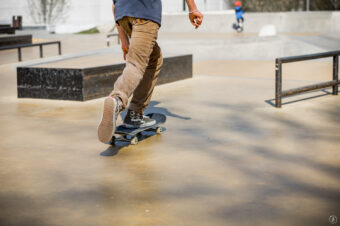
column 227, row 156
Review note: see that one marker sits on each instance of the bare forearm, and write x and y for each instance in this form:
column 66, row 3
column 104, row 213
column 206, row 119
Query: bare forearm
column 123, row 37
column 121, row 33
column 191, row 4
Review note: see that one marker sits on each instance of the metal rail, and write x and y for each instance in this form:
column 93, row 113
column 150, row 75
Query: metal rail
column 19, row 47
column 112, row 35
column 278, row 77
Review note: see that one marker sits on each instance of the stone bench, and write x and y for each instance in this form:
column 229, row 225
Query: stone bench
column 8, row 40
column 7, row 30
column 82, row 84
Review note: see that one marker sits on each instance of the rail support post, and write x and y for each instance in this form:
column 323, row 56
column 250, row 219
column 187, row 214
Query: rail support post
column 59, row 48
column 336, row 74
column 41, row 51
column 19, row 54
column 278, row 84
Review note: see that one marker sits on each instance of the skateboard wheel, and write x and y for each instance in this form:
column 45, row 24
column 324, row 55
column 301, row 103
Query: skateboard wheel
column 159, row 130
column 134, row 141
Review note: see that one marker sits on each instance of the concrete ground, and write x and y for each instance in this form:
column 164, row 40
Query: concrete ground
column 227, row 157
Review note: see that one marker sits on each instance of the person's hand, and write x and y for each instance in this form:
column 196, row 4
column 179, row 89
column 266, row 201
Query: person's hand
column 125, row 47
column 196, row 18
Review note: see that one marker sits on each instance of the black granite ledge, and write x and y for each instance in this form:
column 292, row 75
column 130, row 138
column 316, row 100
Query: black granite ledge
column 7, row 30
column 9, row 40
column 81, row 84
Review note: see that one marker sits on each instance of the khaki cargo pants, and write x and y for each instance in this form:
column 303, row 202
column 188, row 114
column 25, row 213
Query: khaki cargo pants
column 143, row 64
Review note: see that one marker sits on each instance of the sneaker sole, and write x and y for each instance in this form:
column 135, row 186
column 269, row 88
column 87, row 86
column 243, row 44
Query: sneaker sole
column 107, row 124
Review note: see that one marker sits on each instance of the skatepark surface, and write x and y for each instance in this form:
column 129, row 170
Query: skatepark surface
column 227, row 157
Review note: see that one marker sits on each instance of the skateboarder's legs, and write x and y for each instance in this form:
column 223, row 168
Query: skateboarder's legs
column 142, row 95
column 143, row 63
column 240, row 21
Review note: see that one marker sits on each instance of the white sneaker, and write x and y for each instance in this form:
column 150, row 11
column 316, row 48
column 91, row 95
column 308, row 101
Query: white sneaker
column 107, row 124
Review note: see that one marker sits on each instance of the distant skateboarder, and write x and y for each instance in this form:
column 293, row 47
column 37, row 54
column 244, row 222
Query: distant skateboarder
column 239, row 17
column 138, row 22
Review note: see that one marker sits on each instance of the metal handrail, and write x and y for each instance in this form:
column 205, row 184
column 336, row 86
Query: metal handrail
column 278, row 76
column 112, row 35
column 20, row 46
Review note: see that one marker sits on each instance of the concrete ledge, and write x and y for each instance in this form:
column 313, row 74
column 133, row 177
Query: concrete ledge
column 81, row 84
column 7, row 30
column 8, row 40
column 309, row 22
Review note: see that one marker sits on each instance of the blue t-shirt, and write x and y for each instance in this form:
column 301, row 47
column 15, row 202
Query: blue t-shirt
column 142, row 9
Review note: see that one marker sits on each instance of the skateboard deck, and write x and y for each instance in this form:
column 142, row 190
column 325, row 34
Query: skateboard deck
column 122, row 133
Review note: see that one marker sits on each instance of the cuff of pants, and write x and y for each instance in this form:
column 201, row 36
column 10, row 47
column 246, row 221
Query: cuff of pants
column 137, row 108
column 122, row 96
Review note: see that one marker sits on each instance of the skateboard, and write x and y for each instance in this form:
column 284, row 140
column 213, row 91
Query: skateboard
column 133, row 135
column 238, row 27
